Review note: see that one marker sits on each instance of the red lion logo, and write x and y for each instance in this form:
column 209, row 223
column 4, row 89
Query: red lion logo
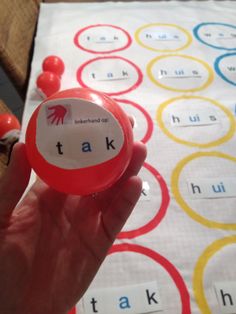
column 58, row 114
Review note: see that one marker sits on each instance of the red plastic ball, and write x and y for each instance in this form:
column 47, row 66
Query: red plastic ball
column 53, row 64
column 79, row 141
column 8, row 122
column 48, row 83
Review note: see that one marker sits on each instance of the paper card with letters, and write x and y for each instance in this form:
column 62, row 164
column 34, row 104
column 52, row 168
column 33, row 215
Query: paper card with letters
column 172, row 66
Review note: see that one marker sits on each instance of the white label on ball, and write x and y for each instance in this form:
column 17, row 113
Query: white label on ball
column 74, row 133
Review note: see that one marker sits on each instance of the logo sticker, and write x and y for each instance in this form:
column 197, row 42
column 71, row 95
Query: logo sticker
column 58, row 114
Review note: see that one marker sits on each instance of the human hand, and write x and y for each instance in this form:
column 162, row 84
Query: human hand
column 52, row 244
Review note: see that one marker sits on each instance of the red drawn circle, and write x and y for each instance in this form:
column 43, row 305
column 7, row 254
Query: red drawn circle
column 78, row 34
column 154, row 222
column 170, row 268
column 136, row 84
column 149, row 131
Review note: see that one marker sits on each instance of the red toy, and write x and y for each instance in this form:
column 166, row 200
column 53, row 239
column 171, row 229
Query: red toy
column 9, row 133
column 53, row 64
column 8, row 124
column 79, row 141
column 48, row 83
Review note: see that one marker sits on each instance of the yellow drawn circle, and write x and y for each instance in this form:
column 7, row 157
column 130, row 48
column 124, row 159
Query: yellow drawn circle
column 220, row 141
column 186, row 33
column 176, row 192
column 198, row 286
column 203, row 63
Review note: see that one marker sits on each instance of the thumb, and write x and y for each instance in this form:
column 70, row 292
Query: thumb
column 14, row 182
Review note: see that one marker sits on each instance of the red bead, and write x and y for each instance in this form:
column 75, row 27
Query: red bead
column 48, row 83
column 53, row 64
column 8, row 122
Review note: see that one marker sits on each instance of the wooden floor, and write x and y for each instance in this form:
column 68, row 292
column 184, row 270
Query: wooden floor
column 10, row 96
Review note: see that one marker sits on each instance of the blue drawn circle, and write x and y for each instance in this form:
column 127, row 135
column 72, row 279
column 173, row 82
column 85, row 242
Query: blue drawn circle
column 196, row 30
column 217, row 67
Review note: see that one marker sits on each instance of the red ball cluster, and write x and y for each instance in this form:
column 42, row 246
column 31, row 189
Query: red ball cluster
column 49, row 81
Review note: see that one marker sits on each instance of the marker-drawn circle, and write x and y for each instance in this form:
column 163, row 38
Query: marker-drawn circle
column 106, row 85
column 224, row 165
column 153, row 220
column 223, row 64
column 164, row 263
column 227, row 135
column 198, row 76
column 198, row 276
column 174, row 34
column 224, row 35
column 96, row 30
column 147, row 130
